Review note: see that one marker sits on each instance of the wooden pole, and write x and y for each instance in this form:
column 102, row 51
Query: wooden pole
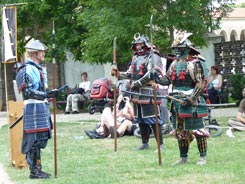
column 157, row 128
column 54, row 101
column 7, row 108
column 155, row 101
column 115, row 95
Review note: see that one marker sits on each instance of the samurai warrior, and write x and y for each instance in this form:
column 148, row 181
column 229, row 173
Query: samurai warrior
column 146, row 61
column 31, row 79
column 188, row 75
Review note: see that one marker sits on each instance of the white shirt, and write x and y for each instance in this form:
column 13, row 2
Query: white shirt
column 85, row 85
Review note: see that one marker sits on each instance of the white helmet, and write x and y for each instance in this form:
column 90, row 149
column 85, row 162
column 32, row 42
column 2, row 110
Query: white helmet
column 35, row 45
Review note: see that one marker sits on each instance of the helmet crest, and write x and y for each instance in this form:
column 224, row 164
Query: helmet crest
column 141, row 39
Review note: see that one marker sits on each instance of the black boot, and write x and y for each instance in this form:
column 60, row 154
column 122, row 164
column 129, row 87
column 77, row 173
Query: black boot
column 36, row 174
column 35, row 165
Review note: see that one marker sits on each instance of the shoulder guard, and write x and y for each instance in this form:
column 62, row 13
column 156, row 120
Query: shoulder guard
column 20, row 78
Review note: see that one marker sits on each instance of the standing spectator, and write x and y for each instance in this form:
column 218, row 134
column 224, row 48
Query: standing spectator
column 145, row 63
column 187, row 118
column 239, row 122
column 214, row 85
column 82, row 93
column 37, row 121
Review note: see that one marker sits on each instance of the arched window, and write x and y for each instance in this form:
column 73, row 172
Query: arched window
column 242, row 35
column 223, row 36
column 233, row 36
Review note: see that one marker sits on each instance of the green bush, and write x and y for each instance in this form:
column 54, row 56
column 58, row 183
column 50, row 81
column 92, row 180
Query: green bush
column 237, row 85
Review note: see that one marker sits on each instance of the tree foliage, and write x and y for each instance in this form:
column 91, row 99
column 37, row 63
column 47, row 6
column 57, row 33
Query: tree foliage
column 87, row 28
column 237, row 84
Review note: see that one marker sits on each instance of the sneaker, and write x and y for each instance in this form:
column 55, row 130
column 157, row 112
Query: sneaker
column 202, row 161
column 180, row 162
column 92, row 134
column 87, row 132
column 75, row 112
column 143, row 147
column 67, row 112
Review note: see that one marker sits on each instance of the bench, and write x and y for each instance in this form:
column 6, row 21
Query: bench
column 61, row 105
column 61, row 101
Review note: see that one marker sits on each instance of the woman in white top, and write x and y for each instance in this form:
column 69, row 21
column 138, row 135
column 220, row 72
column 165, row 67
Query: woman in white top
column 214, row 84
column 125, row 117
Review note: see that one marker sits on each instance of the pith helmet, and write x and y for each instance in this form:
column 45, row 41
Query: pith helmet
column 35, row 45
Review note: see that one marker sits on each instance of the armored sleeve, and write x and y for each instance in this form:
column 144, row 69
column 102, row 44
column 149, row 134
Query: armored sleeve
column 124, row 75
column 30, row 93
column 197, row 74
column 25, row 84
column 166, row 79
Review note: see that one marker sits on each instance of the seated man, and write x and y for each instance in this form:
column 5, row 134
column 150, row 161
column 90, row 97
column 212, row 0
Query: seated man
column 239, row 122
column 82, row 93
column 125, row 116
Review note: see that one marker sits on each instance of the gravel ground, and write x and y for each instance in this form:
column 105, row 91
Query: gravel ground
column 4, row 179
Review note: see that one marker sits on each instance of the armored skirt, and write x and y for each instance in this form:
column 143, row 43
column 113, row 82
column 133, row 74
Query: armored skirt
column 37, row 125
column 192, row 116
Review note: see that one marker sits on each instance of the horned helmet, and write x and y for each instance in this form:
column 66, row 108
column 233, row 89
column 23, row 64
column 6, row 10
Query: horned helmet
column 141, row 39
column 182, row 46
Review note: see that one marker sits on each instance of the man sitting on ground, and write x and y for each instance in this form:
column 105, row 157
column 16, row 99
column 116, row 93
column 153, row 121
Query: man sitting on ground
column 239, row 122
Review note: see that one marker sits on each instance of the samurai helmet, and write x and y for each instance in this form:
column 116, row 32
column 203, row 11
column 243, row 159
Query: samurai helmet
column 183, row 46
column 140, row 39
column 35, row 45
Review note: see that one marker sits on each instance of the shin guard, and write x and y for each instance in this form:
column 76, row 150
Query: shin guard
column 202, row 145
column 160, row 133
column 145, row 132
column 183, row 148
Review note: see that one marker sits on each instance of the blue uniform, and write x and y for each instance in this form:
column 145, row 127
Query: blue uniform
column 37, row 126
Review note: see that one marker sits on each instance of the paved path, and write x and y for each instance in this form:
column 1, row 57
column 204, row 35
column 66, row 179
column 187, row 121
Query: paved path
column 217, row 112
column 4, row 179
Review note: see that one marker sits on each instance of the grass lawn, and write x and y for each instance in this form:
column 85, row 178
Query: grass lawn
column 89, row 161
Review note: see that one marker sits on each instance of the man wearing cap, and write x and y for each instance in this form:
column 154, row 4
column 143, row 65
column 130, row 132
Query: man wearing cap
column 37, row 125
column 188, row 76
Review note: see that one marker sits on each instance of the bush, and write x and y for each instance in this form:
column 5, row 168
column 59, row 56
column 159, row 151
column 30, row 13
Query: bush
column 237, row 85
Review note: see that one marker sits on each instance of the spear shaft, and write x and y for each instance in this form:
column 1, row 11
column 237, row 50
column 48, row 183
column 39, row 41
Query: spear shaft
column 155, row 100
column 54, row 101
column 115, row 95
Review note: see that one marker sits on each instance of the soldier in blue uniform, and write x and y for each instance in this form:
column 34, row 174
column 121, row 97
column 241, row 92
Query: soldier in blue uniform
column 31, row 79
column 144, row 64
column 188, row 76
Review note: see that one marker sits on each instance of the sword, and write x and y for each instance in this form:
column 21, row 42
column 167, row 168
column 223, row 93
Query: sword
column 179, row 100
column 157, row 96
